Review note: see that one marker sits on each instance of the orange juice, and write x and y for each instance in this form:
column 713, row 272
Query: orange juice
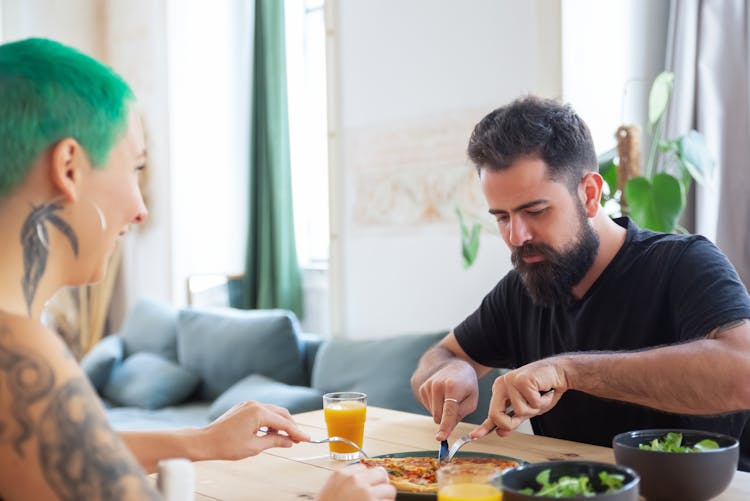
column 346, row 420
column 469, row 492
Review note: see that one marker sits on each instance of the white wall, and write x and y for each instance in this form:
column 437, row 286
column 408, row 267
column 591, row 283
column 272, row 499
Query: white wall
column 76, row 22
column 412, row 78
column 611, row 53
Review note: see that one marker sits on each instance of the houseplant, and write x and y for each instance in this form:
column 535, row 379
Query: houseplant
column 655, row 199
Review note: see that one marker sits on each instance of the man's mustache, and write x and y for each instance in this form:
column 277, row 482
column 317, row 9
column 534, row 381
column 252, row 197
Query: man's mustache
column 530, row 249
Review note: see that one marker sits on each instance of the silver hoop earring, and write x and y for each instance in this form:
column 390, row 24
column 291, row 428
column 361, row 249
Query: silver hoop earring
column 100, row 213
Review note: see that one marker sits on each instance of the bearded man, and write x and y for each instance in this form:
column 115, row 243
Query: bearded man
column 605, row 327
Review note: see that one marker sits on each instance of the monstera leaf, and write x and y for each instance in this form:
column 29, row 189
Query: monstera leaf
column 658, row 98
column 695, row 156
column 656, row 204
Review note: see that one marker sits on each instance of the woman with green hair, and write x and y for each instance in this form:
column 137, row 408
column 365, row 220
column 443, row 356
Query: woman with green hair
column 71, row 149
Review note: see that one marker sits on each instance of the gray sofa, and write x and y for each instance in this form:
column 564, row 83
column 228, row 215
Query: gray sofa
column 170, row 368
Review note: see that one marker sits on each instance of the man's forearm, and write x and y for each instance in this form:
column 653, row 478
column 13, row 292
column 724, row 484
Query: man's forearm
column 700, row 377
column 431, row 362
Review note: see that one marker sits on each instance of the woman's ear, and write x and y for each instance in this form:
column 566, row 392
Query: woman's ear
column 591, row 191
column 67, row 160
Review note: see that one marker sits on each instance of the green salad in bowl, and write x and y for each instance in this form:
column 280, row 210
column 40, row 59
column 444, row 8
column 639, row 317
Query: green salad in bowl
column 570, row 479
column 689, row 465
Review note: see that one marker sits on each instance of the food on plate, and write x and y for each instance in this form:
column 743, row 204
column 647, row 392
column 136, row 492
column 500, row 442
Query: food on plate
column 568, row 487
column 672, row 442
column 418, row 474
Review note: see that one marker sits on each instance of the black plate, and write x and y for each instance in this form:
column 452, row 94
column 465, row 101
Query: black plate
column 423, row 496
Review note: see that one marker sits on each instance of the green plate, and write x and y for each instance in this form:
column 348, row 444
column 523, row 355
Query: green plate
column 419, row 496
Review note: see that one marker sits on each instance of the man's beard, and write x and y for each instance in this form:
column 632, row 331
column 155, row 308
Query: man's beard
column 550, row 281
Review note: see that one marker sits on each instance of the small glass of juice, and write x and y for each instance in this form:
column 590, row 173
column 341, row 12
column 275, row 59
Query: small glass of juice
column 468, row 482
column 345, row 413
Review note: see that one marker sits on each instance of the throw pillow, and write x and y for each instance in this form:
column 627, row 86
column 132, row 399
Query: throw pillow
column 224, row 345
column 151, row 327
column 149, row 381
column 381, row 368
column 99, row 361
column 268, row 391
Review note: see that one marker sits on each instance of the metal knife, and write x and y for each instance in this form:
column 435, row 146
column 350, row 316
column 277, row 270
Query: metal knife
column 443, row 451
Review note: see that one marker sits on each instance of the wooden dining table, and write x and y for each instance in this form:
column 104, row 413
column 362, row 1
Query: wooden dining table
column 299, row 472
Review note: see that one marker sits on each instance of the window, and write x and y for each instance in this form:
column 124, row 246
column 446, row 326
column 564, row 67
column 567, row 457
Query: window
column 306, row 84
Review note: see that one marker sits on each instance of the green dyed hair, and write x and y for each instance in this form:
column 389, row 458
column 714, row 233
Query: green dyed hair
column 49, row 92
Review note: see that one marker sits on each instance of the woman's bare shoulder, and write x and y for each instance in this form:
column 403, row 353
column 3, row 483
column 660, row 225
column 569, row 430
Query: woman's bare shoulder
column 52, row 419
column 28, row 333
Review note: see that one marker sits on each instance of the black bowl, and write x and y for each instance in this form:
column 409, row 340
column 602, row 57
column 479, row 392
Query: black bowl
column 688, row 476
column 524, row 476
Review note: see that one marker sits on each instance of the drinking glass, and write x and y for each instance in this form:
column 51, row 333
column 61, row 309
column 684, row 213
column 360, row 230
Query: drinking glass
column 345, row 413
column 468, row 482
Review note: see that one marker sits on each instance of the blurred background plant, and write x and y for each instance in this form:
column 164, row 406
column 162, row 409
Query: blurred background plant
column 657, row 198
column 469, row 239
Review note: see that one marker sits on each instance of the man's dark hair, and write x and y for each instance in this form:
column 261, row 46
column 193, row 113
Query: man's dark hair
column 535, row 127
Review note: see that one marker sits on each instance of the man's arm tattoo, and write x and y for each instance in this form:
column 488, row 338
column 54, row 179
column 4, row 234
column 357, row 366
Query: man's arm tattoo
column 714, row 334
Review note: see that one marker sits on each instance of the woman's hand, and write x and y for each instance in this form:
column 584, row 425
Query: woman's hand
column 239, row 432
column 358, row 482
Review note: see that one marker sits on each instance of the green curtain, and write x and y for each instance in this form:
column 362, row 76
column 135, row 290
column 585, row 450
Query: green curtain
column 272, row 274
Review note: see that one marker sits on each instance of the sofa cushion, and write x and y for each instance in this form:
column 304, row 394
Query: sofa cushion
column 99, row 361
column 188, row 415
column 151, row 327
column 381, row 368
column 268, row 391
column 149, row 381
column 224, row 345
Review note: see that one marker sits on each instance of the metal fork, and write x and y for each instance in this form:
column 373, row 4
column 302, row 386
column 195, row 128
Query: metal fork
column 340, row 439
column 460, row 443
column 466, row 438
column 266, row 431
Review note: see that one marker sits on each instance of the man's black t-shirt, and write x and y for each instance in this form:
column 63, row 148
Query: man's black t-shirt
column 659, row 289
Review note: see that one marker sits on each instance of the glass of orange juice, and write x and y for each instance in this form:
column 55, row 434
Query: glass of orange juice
column 345, row 413
column 469, row 482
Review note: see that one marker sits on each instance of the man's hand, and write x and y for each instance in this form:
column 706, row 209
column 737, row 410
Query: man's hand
column 523, row 393
column 445, row 383
column 358, row 482
column 235, row 435
column 450, row 394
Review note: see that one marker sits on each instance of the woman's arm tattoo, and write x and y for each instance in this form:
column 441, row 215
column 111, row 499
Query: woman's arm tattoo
column 80, row 455
column 28, row 380
column 82, row 458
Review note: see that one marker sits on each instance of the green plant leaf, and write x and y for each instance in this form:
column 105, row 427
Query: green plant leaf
column 610, row 177
column 658, row 205
column 469, row 240
column 695, row 156
column 607, row 160
column 658, row 98
column 608, row 171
